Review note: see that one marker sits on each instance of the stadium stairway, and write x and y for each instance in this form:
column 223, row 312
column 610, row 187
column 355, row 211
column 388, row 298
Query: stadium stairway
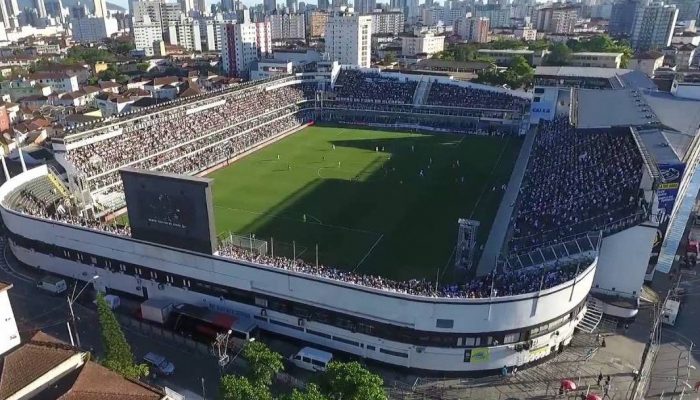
column 56, row 181
column 592, row 317
column 421, row 93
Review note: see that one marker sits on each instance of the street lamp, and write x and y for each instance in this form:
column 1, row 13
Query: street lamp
column 71, row 299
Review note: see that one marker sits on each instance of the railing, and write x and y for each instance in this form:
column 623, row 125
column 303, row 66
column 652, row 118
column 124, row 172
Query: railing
column 579, row 249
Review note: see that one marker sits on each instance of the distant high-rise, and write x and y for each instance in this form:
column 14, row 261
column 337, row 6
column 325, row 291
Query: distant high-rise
column 349, row 38
column 653, row 26
column 40, row 8
column 622, row 17
column 287, row 26
column 100, row 8
column 243, row 44
column 269, row 5
column 292, row 6
column 687, row 9
column 186, row 6
column 323, row 4
column 365, row 6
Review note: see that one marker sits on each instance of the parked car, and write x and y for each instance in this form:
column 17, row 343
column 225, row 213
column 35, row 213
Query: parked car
column 160, row 363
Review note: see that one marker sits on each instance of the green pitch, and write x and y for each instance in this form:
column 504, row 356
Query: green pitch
column 359, row 195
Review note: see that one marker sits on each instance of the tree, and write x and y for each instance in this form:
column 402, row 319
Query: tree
column 559, row 55
column 389, row 59
column 541, row 44
column 520, row 66
column 351, row 381
column 264, row 363
column 118, row 355
column 238, row 387
column 312, row 392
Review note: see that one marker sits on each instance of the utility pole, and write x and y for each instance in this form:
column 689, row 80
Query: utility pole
column 220, row 349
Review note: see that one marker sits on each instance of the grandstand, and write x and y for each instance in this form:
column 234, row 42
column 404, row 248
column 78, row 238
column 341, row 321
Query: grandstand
column 389, row 311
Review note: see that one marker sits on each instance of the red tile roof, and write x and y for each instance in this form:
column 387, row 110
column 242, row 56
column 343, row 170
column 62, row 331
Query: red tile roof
column 28, row 363
column 96, row 382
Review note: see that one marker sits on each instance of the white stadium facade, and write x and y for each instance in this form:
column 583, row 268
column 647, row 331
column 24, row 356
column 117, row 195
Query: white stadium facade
column 55, row 222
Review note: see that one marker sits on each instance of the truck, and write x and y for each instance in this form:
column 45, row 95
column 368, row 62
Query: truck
column 670, row 311
column 156, row 310
column 52, row 284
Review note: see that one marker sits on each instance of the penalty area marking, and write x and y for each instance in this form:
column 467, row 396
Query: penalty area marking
column 368, row 252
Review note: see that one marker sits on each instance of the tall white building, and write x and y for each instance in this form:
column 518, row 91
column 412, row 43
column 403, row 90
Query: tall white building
column 287, row 26
column 186, row 34
column 243, row 44
column 93, row 29
column 147, row 8
column 146, row 33
column 426, row 43
column 387, row 22
column 349, row 38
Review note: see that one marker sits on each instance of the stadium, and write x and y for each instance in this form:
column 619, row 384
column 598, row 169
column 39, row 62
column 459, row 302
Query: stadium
column 407, row 219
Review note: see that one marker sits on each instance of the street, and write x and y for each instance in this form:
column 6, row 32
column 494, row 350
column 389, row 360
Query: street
column 36, row 309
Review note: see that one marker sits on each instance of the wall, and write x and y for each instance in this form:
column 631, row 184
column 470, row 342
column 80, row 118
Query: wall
column 617, row 261
column 9, row 335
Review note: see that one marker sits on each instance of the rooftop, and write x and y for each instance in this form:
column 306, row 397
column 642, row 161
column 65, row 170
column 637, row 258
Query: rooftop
column 666, row 124
column 625, row 77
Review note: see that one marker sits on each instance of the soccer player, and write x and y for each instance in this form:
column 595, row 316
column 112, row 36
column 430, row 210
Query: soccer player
column 278, row 156
column 333, row 147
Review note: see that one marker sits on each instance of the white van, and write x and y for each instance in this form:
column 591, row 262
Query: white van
column 311, row 359
column 52, row 284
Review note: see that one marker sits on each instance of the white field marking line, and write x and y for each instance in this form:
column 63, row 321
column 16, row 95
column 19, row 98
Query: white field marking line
column 368, row 252
column 345, row 228
column 318, row 221
column 447, row 263
column 486, row 186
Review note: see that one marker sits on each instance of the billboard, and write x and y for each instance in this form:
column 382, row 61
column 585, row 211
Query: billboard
column 667, row 190
column 477, row 355
column 170, row 209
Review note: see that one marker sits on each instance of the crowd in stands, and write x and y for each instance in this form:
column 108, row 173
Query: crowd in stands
column 576, row 182
column 157, row 133
column 506, row 283
column 355, row 85
column 442, row 94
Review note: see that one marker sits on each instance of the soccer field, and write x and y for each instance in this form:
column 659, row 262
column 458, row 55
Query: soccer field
column 359, row 195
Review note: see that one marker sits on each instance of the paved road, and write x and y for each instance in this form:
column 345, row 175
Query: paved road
column 36, row 309
column 499, row 229
column 676, row 362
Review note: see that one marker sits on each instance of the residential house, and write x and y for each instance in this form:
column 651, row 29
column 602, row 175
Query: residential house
column 58, row 81
column 647, row 62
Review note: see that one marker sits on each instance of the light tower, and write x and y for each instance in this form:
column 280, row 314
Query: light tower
column 466, row 242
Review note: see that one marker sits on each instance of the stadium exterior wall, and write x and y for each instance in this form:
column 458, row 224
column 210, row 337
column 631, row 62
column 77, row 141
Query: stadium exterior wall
column 542, row 321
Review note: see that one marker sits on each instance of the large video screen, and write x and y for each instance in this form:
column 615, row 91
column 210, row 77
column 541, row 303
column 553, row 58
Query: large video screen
column 170, row 209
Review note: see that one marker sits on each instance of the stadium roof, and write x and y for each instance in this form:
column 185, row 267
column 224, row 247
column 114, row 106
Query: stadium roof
column 626, row 78
column 666, row 124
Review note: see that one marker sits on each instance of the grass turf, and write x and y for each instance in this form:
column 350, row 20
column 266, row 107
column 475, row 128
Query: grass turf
column 359, row 196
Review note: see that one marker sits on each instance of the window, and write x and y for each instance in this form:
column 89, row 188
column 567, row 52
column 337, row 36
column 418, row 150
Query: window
column 346, row 341
column 511, row 338
column 393, row 353
column 316, row 333
column 444, row 323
